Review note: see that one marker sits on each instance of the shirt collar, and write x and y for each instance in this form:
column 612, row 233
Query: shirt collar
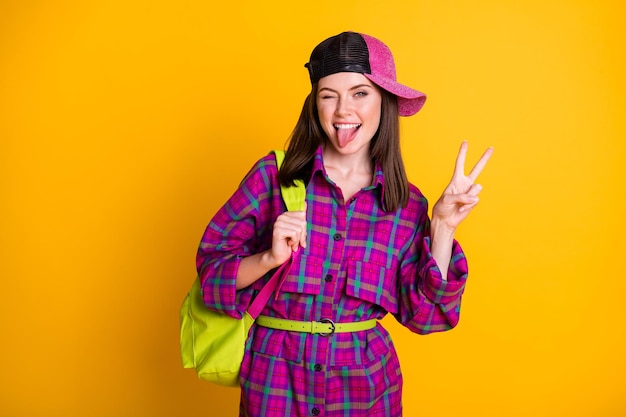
column 379, row 178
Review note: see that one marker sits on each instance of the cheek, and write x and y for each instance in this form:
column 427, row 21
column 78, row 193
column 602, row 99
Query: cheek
column 325, row 117
column 374, row 114
column 323, row 113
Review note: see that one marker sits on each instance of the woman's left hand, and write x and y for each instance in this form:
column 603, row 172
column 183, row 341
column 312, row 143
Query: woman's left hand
column 461, row 195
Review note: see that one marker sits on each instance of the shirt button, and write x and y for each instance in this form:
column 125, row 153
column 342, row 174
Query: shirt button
column 317, row 367
column 337, row 236
column 315, row 411
column 328, row 278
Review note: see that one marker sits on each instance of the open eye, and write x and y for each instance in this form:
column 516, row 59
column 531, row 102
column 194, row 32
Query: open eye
column 360, row 93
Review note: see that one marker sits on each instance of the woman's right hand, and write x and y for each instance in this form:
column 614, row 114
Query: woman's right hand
column 289, row 235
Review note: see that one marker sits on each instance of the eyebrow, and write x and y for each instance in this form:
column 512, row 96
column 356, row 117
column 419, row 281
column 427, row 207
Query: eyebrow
column 356, row 87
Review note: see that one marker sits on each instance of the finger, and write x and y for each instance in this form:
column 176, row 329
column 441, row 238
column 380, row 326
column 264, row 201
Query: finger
column 291, row 227
column 292, row 231
column 293, row 219
column 459, row 166
column 480, row 164
column 466, row 199
column 475, row 189
column 292, row 239
column 457, row 200
column 467, row 207
column 294, row 245
column 303, row 237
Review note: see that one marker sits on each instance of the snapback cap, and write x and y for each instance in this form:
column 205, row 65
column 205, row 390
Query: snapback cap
column 355, row 52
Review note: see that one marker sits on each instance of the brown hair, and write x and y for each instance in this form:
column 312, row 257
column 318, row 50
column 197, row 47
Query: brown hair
column 308, row 135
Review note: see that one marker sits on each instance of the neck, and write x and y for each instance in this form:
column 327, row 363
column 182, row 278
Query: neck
column 350, row 173
column 347, row 164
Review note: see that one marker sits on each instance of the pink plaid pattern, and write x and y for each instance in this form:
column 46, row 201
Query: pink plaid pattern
column 360, row 263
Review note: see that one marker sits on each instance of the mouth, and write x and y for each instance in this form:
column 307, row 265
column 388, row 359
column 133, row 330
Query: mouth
column 346, row 132
column 347, row 126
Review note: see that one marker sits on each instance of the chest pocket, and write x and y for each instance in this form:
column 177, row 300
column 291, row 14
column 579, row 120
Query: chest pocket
column 374, row 283
column 305, row 276
column 303, row 280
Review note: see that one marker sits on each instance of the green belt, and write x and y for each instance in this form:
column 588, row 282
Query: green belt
column 324, row 327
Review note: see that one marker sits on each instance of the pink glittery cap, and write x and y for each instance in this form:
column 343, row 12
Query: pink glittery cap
column 355, row 52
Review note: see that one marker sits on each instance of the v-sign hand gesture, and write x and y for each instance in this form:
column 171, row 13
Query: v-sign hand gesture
column 461, row 195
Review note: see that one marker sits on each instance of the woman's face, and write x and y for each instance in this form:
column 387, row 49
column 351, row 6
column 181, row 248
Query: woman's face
column 349, row 107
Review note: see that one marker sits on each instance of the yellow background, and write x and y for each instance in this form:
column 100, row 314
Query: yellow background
column 124, row 125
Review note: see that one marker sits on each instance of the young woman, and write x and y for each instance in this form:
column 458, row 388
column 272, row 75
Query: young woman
column 364, row 247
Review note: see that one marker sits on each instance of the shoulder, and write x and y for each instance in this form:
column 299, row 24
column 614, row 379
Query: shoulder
column 265, row 163
column 416, row 196
column 417, row 206
column 264, row 170
column 258, row 190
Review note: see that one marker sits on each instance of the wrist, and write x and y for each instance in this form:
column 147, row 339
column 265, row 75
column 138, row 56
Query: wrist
column 268, row 261
column 441, row 241
column 440, row 230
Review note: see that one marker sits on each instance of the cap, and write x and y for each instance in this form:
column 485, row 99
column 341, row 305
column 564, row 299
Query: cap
column 355, row 52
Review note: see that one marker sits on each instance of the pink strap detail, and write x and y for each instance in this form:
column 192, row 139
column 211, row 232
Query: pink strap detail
column 264, row 295
column 294, row 255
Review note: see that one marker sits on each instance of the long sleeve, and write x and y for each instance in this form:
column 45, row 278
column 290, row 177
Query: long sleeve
column 240, row 228
column 429, row 303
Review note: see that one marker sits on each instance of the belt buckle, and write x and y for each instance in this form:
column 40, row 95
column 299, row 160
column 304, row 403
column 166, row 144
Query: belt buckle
column 332, row 327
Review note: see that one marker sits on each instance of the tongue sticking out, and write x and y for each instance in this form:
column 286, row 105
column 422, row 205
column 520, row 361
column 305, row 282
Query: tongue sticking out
column 345, row 136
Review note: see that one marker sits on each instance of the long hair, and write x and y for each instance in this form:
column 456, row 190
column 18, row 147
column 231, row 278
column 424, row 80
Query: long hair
column 308, row 135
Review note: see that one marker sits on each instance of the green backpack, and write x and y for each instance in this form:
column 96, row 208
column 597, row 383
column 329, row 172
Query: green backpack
column 214, row 343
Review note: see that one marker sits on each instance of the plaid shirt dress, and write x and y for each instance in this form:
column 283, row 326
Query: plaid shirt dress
column 360, row 263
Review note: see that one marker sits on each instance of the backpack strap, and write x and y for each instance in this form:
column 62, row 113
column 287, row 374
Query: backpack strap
column 294, row 198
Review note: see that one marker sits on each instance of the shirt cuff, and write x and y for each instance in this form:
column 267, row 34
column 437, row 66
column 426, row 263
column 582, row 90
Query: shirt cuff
column 221, row 294
column 432, row 285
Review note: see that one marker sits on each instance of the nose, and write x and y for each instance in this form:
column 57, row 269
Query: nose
column 343, row 107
